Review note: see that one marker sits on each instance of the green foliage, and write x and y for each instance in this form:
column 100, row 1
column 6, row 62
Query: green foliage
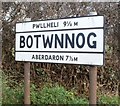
column 12, row 95
column 48, row 94
column 109, row 99
column 55, row 95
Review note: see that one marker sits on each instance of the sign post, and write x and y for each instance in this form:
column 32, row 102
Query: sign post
column 27, row 79
column 93, row 79
column 92, row 85
column 27, row 83
column 77, row 40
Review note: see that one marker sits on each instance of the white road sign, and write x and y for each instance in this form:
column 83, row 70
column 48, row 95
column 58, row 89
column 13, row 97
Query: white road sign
column 71, row 40
column 61, row 24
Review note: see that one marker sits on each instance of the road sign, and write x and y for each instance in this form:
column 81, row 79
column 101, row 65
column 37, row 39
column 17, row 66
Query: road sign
column 71, row 41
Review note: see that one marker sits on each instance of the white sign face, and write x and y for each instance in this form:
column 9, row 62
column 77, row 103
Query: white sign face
column 61, row 24
column 72, row 41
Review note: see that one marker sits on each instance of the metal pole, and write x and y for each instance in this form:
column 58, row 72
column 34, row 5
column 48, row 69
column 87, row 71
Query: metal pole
column 27, row 83
column 93, row 85
column 27, row 79
column 92, row 72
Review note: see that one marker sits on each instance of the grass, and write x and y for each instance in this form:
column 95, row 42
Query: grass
column 49, row 94
column 104, row 99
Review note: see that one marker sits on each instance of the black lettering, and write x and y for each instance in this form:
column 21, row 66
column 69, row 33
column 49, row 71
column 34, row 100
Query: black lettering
column 83, row 40
column 33, row 25
column 44, row 25
column 57, row 57
column 47, row 41
column 42, row 57
column 37, row 26
column 50, row 58
column 88, row 40
column 37, row 57
column 75, row 58
column 60, row 41
column 33, row 57
column 30, row 41
column 51, row 24
column 41, row 25
column 48, row 25
column 46, row 57
column 70, row 41
column 53, row 57
column 37, row 36
column 61, row 57
column 22, row 41
column 75, row 23
column 57, row 24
